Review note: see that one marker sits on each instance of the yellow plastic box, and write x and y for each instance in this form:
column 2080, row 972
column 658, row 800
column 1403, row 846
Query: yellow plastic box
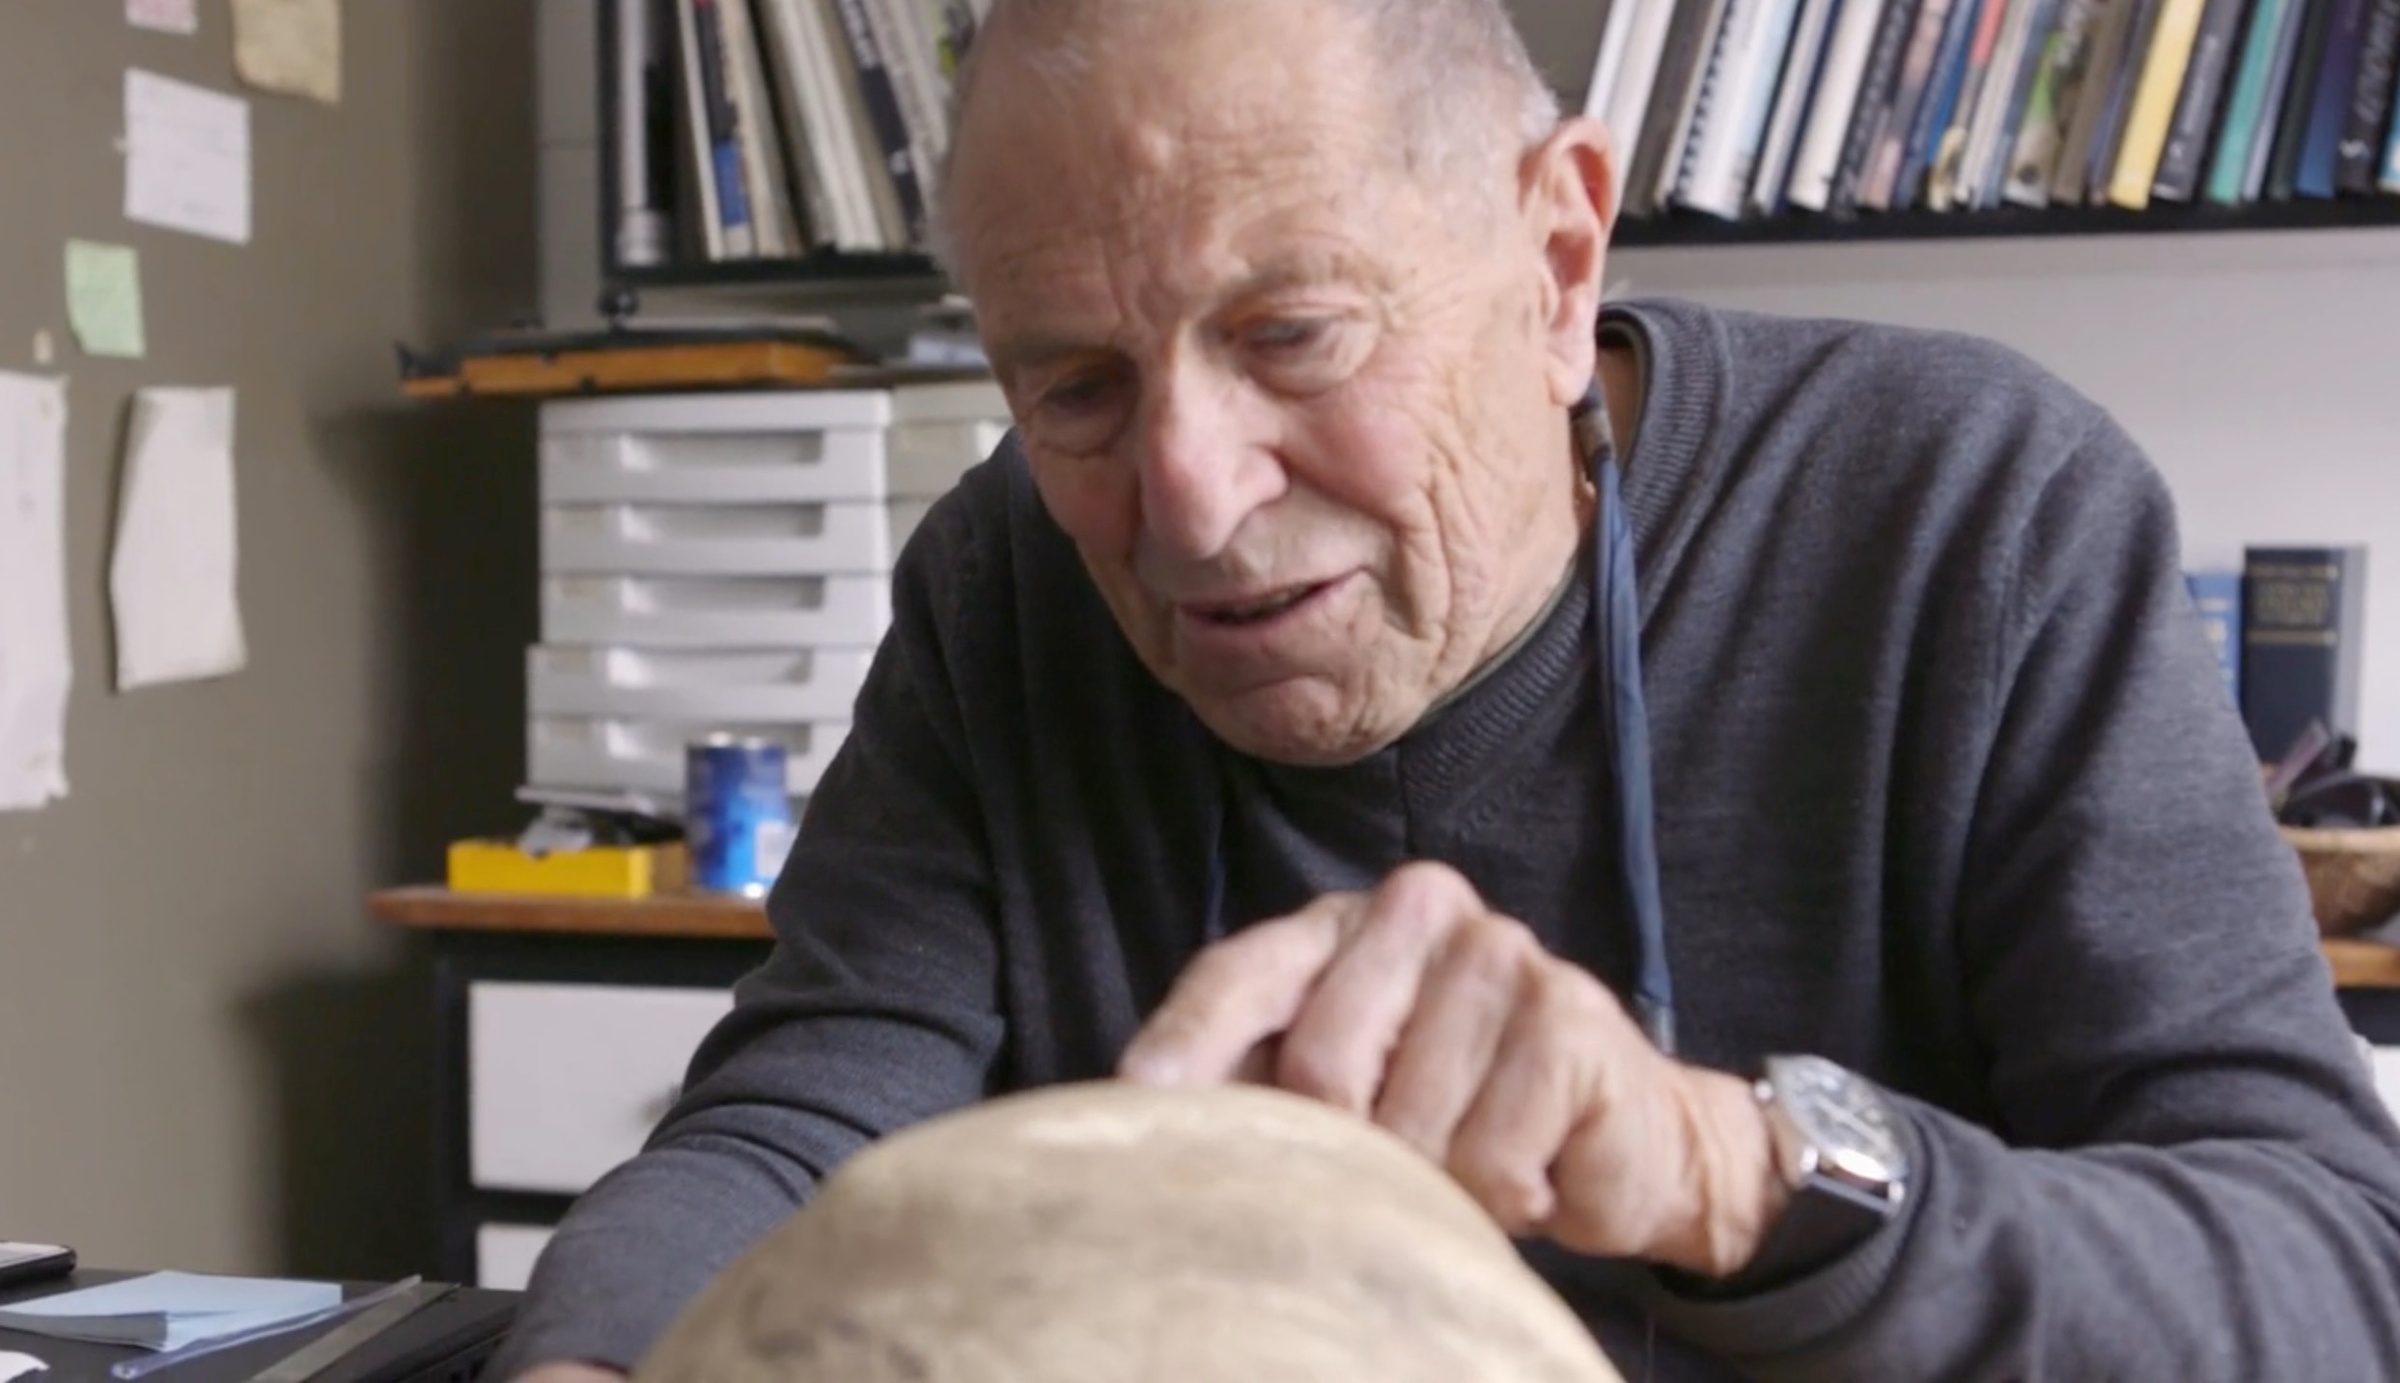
column 604, row 871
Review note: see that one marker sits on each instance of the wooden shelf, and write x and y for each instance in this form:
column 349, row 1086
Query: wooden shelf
column 434, row 908
column 2363, row 964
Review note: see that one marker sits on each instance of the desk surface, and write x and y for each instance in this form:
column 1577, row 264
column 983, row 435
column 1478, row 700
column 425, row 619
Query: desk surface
column 2356, row 964
column 444, row 1341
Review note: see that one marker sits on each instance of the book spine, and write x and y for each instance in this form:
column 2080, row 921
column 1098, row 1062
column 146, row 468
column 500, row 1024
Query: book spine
column 2080, row 122
column 2390, row 179
column 1877, row 96
column 1637, row 80
column 2370, row 100
column 2196, row 108
column 1803, row 60
column 2290, row 130
column 2109, row 138
column 1609, row 59
column 2160, row 77
column 2329, row 112
column 883, row 114
column 1909, row 97
column 2050, row 106
column 724, row 137
column 2217, row 595
column 2301, row 630
column 1837, row 95
column 2229, row 163
column 1703, row 173
column 1947, row 158
column 2033, row 46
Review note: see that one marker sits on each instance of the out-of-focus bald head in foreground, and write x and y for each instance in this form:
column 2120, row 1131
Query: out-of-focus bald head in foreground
column 1100, row 1233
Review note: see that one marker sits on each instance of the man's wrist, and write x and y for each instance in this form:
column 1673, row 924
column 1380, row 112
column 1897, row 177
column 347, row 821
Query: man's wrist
column 1737, row 1189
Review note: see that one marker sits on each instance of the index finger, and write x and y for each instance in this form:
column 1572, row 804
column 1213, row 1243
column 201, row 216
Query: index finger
column 1236, row 994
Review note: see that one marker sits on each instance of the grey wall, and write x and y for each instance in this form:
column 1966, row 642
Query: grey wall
column 209, row 1057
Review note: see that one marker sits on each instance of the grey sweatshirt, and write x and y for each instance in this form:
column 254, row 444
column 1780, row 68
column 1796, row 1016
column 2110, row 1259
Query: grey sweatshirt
column 1948, row 790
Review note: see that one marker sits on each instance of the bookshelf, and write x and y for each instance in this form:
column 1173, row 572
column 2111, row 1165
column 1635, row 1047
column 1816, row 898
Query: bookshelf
column 903, row 275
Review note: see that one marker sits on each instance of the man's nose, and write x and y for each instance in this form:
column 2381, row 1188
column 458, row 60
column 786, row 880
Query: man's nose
column 1206, row 462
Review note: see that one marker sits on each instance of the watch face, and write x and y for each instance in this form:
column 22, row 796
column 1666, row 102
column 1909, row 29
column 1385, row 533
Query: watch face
column 1845, row 1117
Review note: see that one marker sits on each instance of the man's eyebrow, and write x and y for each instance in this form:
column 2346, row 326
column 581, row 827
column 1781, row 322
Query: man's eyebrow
column 1037, row 349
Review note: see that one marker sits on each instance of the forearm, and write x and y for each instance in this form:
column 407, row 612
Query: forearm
column 639, row 1246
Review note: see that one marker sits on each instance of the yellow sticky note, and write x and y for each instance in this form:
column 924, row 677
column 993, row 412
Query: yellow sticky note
column 291, row 46
column 104, row 298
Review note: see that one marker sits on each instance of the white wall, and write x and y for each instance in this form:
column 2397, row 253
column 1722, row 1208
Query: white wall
column 2260, row 371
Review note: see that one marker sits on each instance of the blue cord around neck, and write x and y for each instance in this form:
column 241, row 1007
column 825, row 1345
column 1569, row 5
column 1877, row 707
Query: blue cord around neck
column 1625, row 729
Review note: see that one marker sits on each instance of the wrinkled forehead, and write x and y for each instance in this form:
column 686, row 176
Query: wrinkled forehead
column 1152, row 150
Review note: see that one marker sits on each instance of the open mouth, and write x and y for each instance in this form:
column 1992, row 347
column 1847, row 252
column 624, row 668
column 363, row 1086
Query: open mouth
column 1234, row 614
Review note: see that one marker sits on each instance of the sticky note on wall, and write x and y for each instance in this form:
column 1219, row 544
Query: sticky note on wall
column 104, row 299
column 291, row 46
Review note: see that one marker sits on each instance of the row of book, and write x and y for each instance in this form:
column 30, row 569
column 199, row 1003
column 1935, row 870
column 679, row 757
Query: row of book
column 772, row 129
column 2287, row 626
column 1743, row 108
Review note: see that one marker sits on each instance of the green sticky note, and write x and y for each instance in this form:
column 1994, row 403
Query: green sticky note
column 104, row 298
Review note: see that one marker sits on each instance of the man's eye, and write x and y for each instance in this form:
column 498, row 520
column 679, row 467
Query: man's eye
column 1080, row 393
column 1294, row 335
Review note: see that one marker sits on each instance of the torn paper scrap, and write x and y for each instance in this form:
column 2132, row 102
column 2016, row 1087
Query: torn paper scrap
column 291, row 46
column 104, row 298
column 14, row 1366
column 171, row 577
column 187, row 157
column 35, row 668
column 166, row 16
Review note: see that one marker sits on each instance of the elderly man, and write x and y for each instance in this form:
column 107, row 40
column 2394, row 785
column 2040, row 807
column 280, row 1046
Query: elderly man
column 1269, row 709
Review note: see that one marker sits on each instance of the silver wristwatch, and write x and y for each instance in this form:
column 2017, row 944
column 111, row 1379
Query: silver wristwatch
column 1838, row 1143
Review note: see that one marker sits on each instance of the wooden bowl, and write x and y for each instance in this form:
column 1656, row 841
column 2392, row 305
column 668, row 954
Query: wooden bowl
column 2353, row 874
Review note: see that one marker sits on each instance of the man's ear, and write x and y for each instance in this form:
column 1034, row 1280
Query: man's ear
column 1568, row 190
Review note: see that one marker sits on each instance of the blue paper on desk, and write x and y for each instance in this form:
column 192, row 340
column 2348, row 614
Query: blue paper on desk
column 169, row 1310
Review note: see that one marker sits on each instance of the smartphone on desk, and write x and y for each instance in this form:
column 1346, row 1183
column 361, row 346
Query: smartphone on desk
column 23, row 1263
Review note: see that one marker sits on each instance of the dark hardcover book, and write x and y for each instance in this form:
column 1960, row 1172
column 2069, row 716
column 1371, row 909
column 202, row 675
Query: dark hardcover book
column 883, row 112
column 1691, row 41
column 1941, row 98
column 2197, row 106
column 2329, row 113
column 2303, row 611
column 1873, row 110
column 2299, row 98
column 724, row 134
column 2108, row 141
column 2370, row 100
column 2218, row 597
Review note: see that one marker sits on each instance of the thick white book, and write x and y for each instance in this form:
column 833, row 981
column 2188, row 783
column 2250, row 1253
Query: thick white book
column 1819, row 156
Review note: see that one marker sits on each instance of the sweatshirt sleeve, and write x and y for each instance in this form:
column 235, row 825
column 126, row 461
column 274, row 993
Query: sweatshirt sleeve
column 2190, row 1175
column 877, row 1007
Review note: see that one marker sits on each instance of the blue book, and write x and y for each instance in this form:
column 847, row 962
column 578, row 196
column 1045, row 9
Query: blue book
column 2321, row 147
column 2218, row 596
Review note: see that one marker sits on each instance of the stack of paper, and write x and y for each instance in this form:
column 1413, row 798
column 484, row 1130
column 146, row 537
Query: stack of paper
column 169, row 1310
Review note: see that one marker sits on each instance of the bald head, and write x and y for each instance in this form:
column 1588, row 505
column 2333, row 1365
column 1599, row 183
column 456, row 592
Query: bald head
column 1461, row 96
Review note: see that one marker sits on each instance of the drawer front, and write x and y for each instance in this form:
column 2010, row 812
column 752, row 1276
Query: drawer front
column 925, row 460
column 713, row 467
column 505, row 1254
column 648, row 755
column 717, row 612
column 772, row 685
column 564, row 1081
column 736, row 540
column 760, row 410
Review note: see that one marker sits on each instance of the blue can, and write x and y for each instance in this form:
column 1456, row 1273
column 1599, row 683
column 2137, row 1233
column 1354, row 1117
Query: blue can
column 737, row 819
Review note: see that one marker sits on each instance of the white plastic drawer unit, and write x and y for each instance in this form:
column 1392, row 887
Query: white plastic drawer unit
column 565, row 1081
column 505, row 1254
column 717, row 611
column 834, row 538
column 912, row 443
column 769, row 684
column 648, row 755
